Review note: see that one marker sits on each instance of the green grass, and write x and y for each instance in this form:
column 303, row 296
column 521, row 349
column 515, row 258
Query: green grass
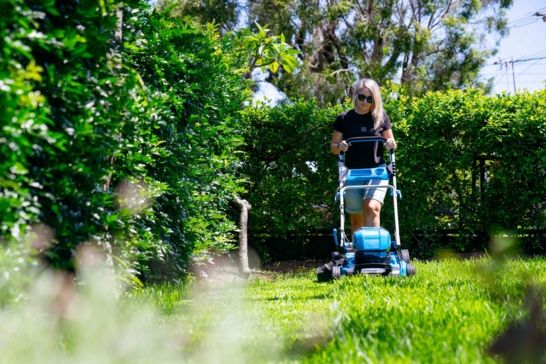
column 448, row 313
column 444, row 314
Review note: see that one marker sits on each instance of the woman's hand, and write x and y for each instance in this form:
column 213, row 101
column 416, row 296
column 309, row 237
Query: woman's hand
column 390, row 144
column 343, row 146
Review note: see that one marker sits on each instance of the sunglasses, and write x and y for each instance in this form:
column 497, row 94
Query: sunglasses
column 362, row 97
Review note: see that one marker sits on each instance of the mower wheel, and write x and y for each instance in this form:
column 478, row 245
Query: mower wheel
column 404, row 254
column 336, row 271
column 324, row 273
column 410, row 270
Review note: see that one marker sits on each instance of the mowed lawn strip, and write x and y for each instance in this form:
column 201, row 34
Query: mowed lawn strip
column 448, row 313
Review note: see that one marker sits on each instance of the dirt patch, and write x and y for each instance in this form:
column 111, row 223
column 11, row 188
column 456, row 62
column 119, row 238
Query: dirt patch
column 225, row 268
column 293, row 266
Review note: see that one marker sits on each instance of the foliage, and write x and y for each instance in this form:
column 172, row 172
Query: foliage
column 430, row 45
column 66, row 110
column 18, row 265
column 248, row 48
column 442, row 138
column 130, row 145
column 222, row 13
column 265, row 51
column 24, row 119
column 193, row 99
column 290, row 172
column 62, row 321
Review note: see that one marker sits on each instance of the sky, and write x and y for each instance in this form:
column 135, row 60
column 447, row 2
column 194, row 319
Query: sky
column 525, row 45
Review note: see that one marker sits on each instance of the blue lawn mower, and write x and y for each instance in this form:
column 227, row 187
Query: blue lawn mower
column 371, row 250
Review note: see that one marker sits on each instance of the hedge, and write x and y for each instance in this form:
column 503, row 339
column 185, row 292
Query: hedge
column 477, row 163
column 129, row 145
column 471, row 168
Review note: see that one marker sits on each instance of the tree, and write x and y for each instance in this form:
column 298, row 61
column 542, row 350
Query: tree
column 428, row 45
column 224, row 13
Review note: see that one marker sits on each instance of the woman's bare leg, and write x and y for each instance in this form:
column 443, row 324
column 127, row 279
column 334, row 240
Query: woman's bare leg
column 372, row 212
column 357, row 221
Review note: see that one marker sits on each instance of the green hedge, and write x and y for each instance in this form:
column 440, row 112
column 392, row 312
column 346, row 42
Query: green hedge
column 442, row 137
column 126, row 145
column 194, row 97
column 62, row 105
column 290, row 172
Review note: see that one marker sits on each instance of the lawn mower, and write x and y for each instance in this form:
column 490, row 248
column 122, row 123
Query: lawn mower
column 371, row 250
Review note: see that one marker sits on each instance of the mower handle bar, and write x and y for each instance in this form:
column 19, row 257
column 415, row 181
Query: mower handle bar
column 366, row 139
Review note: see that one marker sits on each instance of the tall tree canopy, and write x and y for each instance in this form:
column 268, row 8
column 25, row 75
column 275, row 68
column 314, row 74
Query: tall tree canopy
column 224, row 13
column 426, row 44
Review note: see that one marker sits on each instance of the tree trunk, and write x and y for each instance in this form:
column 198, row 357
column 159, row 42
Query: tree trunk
column 243, row 235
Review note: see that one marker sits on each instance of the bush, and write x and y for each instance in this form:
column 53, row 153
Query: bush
column 471, row 164
column 63, row 105
column 193, row 97
column 469, row 167
column 131, row 146
column 289, row 167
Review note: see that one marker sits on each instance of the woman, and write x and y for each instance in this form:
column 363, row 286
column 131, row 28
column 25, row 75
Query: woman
column 367, row 118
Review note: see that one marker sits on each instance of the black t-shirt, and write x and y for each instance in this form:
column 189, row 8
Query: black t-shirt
column 362, row 155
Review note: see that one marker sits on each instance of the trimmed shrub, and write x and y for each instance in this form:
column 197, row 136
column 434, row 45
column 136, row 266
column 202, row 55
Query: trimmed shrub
column 289, row 167
column 469, row 167
column 62, row 127
column 131, row 146
column 193, row 98
column 472, row 166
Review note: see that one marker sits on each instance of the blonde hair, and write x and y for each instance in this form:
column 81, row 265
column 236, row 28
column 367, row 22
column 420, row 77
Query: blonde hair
column 377, row 106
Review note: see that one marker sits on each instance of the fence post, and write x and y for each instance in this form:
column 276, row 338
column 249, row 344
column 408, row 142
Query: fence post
column 243, row 235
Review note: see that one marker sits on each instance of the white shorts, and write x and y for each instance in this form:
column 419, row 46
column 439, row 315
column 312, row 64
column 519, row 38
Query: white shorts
column 354, row 197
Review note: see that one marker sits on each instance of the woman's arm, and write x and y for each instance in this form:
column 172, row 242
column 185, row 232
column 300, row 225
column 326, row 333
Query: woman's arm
column 390, row 143
column 338, row 144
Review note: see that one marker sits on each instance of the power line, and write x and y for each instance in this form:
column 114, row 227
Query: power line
column 521, row 60
column 507, row 61
column 536, row 58
column 522, row 73
column 511, row 62
column 537, row 54
column 530, row 66
column 530, row 18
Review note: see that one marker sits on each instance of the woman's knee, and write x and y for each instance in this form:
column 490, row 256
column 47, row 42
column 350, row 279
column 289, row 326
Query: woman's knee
column 372, row 207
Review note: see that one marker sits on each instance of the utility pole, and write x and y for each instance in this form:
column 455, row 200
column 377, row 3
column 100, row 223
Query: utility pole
column 513, row 75
column 528, row 19
column 505, row 63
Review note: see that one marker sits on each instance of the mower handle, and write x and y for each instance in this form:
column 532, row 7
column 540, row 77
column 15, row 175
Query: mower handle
column 366, row 139
column 362, row 139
